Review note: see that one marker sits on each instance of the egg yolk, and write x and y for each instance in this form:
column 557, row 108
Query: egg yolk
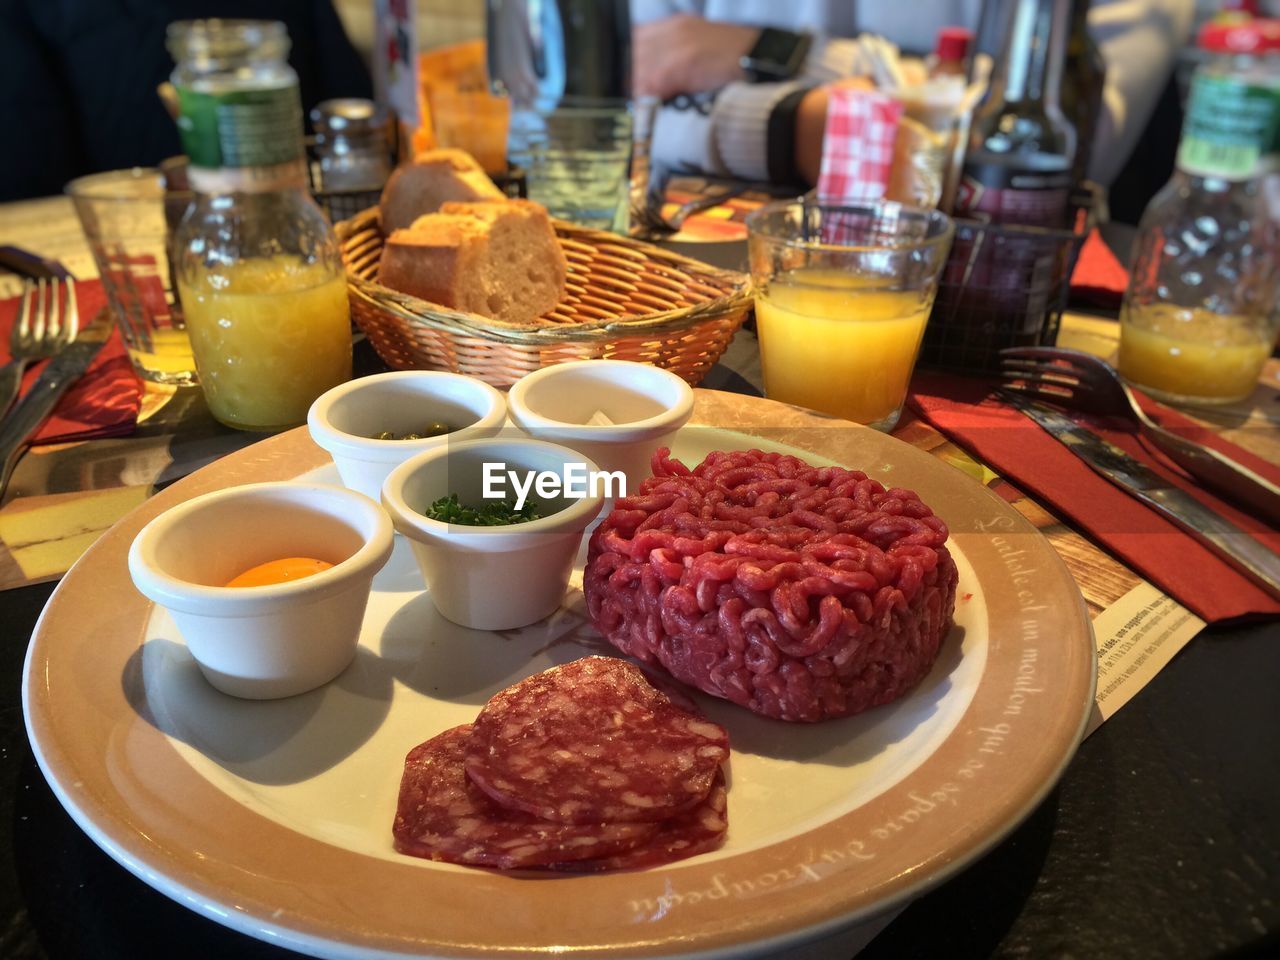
column 279, row 571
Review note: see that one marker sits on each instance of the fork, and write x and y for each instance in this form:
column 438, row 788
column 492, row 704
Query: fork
column 646, row 211
column 1081, row 381
column 46, row 322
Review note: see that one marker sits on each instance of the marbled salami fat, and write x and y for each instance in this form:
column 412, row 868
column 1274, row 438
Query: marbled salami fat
column 441, row 815
column 592, row 741
column 695, row 831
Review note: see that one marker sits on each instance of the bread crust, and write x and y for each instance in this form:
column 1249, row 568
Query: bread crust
column 434, row 178
column 498, row 259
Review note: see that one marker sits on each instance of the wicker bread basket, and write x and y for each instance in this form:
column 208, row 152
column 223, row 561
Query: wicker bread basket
column 627, row 301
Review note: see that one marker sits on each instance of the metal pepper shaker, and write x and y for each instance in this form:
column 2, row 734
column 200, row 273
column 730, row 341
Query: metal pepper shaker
column 352, row 145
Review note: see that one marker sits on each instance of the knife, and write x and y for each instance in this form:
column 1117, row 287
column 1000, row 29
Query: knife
column 62, row 371
column 28, row 264
column 1224, row 538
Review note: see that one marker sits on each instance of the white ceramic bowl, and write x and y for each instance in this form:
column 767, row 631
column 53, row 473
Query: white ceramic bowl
column 646, row 405
column 345, row 420
column 276, row 640
column 489, row 578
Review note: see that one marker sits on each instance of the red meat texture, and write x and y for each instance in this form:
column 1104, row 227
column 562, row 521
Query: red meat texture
column 799, row 592
column 593, row 741
column 583, row 767
column 442, row 815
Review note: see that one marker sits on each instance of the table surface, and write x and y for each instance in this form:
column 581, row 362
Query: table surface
column 1161, row 840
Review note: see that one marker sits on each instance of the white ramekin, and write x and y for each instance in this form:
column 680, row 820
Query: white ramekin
column 269, row 641
column 646, row 404
column 489, row 578
column 345, row 420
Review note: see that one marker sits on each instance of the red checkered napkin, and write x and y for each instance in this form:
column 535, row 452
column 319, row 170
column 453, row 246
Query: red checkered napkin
column 857, row 144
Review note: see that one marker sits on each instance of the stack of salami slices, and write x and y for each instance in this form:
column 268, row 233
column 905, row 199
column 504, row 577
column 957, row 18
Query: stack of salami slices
column 586, row 766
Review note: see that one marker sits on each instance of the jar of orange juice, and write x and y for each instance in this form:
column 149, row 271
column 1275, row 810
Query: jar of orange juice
column 1199, row 318
column 257, row 263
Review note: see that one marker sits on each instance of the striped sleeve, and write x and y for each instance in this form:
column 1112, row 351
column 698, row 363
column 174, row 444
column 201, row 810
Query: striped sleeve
column 740, row 126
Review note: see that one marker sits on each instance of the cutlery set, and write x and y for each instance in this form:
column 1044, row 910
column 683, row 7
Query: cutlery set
column 1081, row 381
column 47, row 321
column 1035, row 377
column 47, row 327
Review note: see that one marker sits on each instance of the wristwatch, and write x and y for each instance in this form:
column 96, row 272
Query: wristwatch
column 776, row 55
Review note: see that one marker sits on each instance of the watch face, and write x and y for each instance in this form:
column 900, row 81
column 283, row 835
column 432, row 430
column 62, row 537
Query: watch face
column 775, row 46
column 777, row 54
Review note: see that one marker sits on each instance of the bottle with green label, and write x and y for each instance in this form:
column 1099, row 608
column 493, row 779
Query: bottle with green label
column 259, row 272
column 1198, row 319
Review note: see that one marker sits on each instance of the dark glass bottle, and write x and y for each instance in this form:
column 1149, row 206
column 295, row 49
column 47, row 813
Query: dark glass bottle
column 1084, row 77
column 1021, row 146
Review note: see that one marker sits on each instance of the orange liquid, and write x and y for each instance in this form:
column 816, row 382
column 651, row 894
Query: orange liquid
column 835, row 342
column 269, row 337
column 1192, row 354
column 279, row 571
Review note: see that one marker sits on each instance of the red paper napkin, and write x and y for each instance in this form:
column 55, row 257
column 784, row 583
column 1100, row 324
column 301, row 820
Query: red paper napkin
column 102, row 403
column 967, row 411
column 1099, row 278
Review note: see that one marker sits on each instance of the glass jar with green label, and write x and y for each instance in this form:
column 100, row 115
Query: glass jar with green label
column 259, row 272
column 1198, row 319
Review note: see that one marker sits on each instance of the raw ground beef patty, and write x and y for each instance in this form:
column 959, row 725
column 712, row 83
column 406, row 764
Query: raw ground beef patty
column 799, row 592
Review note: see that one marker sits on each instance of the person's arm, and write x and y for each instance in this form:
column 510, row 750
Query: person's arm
column 739, row 131
column 711, row 120
column 1139, row 40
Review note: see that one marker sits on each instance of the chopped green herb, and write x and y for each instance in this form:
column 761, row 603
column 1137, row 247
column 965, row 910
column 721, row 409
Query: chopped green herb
column 495, row 513
column 433, row 429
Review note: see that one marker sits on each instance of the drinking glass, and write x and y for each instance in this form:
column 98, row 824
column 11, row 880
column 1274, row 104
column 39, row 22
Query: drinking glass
column 123, row 216
column 566, row 68
column 843, row 292
column 472, row 121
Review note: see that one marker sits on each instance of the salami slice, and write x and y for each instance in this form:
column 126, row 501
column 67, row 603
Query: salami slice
column 592, row 741
column 441, row 815
column 696, row 831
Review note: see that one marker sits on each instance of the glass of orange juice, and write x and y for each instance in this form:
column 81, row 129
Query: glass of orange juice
column 843, row 292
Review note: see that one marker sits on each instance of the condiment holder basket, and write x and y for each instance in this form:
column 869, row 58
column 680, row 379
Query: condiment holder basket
column 627, row 300
column 1004, row 286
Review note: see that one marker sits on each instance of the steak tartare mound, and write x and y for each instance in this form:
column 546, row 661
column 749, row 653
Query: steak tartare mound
column 799, row 592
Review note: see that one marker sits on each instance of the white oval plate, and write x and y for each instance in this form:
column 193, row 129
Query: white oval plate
column 275, row 817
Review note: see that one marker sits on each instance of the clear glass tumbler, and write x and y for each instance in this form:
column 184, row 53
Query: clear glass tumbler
column 123, row 216
column 577, row 162
column 566, row 69
column 843, row 292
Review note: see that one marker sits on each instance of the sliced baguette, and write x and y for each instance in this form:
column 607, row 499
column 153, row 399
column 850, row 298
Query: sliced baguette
column 499, row 259
column 434, row 178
